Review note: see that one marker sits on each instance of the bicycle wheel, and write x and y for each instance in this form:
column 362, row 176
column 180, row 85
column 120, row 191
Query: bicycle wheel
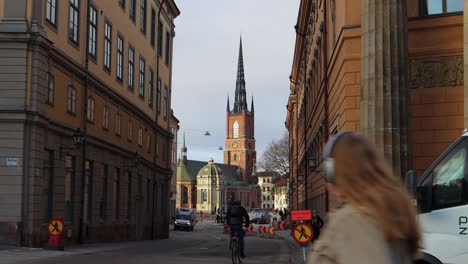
column 235, row 252
column 238, row 252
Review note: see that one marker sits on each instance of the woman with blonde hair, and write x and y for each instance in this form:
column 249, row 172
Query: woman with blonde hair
column 375, row 221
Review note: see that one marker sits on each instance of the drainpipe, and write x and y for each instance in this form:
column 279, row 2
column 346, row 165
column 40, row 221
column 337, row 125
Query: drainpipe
column 325, row 66
column 157, row 114
column 83, row 147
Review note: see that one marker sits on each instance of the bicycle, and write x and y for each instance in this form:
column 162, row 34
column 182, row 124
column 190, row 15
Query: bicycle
column 234, row 245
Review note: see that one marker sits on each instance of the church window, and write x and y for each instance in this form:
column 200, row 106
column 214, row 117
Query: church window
column 236, row 129
column 204, row 196
column 235, row 156
column 184, row 195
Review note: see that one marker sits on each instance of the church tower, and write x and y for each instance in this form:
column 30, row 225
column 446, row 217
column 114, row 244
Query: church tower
column 240, row 138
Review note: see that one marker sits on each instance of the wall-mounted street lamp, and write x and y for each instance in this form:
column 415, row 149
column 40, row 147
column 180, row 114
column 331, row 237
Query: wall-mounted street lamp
column 78, row 138
column 312, row 161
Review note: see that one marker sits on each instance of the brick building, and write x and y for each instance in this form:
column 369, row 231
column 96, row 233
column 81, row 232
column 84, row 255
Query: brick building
column 348, row 75
column 106, row 80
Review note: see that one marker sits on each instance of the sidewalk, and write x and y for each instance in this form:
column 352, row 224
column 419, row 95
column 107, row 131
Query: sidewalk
column 296, row 250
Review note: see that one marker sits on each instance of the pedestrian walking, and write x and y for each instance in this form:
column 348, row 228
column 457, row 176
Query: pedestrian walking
column 316, row 224
column 375, row 221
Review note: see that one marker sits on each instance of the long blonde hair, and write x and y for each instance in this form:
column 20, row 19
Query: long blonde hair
column 366, row 181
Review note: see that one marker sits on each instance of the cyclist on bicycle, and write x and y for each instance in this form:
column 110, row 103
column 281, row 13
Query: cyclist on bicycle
column 235, row 216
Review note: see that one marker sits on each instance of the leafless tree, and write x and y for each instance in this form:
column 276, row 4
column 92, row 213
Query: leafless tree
column 276, row 156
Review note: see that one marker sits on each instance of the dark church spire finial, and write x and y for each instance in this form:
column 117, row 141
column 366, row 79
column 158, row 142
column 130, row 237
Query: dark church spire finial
column 228, row 108
column 240, row 101
column 252, row 105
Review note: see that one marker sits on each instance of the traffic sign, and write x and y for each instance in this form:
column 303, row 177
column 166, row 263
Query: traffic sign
column 300, row 215
column 55, row 226
column 302, row 234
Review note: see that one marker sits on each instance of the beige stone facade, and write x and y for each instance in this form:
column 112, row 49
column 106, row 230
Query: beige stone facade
column 111, row 80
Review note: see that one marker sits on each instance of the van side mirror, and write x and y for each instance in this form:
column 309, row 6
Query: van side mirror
column 411, row 183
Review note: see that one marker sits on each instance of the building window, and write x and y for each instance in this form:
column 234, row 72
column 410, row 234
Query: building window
column 131, row 67
column 70, row 170
column 204, row 196
column 116, row 197
column 148, row 144
column 140, row 137
column 235, row 157
column 143, row 16
column 105, row 118
column 166, row 102
column 92, row 34
column 151, row 88
column 158, row 96
column 91, row 108
column 51, row 12
column 74, row 21
column 141, row 87
column 130, row 131
column 107, row 45
column 50, row 88
column 103, row 201
column 118, row 128
column 120, row 57
column 132, row 9
column 129, row 195
column 434, row 7
column 89, row 192
column 185, row 197
column 122, row 3
column 71, row 100
column 168, row 46
column 236, row 129
column 153, row 27
column 160, row 37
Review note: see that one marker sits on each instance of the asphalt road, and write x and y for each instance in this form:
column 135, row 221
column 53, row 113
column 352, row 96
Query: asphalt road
column 207, row 244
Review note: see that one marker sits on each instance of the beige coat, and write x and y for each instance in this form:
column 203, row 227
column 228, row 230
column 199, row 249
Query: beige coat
column 354, row 238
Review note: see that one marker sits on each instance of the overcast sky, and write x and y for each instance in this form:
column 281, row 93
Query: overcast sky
column 206, row 48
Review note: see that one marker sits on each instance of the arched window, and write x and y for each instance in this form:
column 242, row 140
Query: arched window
column 236, row 129
column 184, row 195
column 235, row 156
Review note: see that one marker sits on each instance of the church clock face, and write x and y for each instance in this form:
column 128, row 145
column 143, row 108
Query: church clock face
column 234, row 145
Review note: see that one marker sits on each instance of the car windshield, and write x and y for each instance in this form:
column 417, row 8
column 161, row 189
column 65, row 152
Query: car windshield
column 183, row 217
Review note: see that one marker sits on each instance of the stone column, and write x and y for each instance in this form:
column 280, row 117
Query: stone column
column 385, row 117
column 465, row 59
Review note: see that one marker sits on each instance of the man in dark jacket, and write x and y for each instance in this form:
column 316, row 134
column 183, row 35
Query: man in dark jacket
column 235, row 217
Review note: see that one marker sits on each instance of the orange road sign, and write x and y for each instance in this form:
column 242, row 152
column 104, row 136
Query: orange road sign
column 282, row 225
column 261, row 229
column 271, row 230
column 250, row 229
column 302, row 234
column 55, row 227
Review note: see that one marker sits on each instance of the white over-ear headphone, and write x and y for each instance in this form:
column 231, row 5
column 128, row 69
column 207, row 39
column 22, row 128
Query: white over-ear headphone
column 329, row 162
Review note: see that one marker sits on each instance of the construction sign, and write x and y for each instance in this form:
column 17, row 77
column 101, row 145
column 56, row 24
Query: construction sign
column 301, row 215
column 55, row 226
column 302, row 234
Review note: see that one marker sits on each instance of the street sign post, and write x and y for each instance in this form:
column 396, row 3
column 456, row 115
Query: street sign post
column 302, row 233
column 55, row 229
column 301, row 215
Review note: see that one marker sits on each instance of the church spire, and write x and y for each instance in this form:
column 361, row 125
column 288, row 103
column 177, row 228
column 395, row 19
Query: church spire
column 228, row 108
column 252, row 106
column 240, row 102
column 184, row 150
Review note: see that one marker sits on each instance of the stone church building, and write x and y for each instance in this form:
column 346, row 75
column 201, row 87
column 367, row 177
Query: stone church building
column 210, row 186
